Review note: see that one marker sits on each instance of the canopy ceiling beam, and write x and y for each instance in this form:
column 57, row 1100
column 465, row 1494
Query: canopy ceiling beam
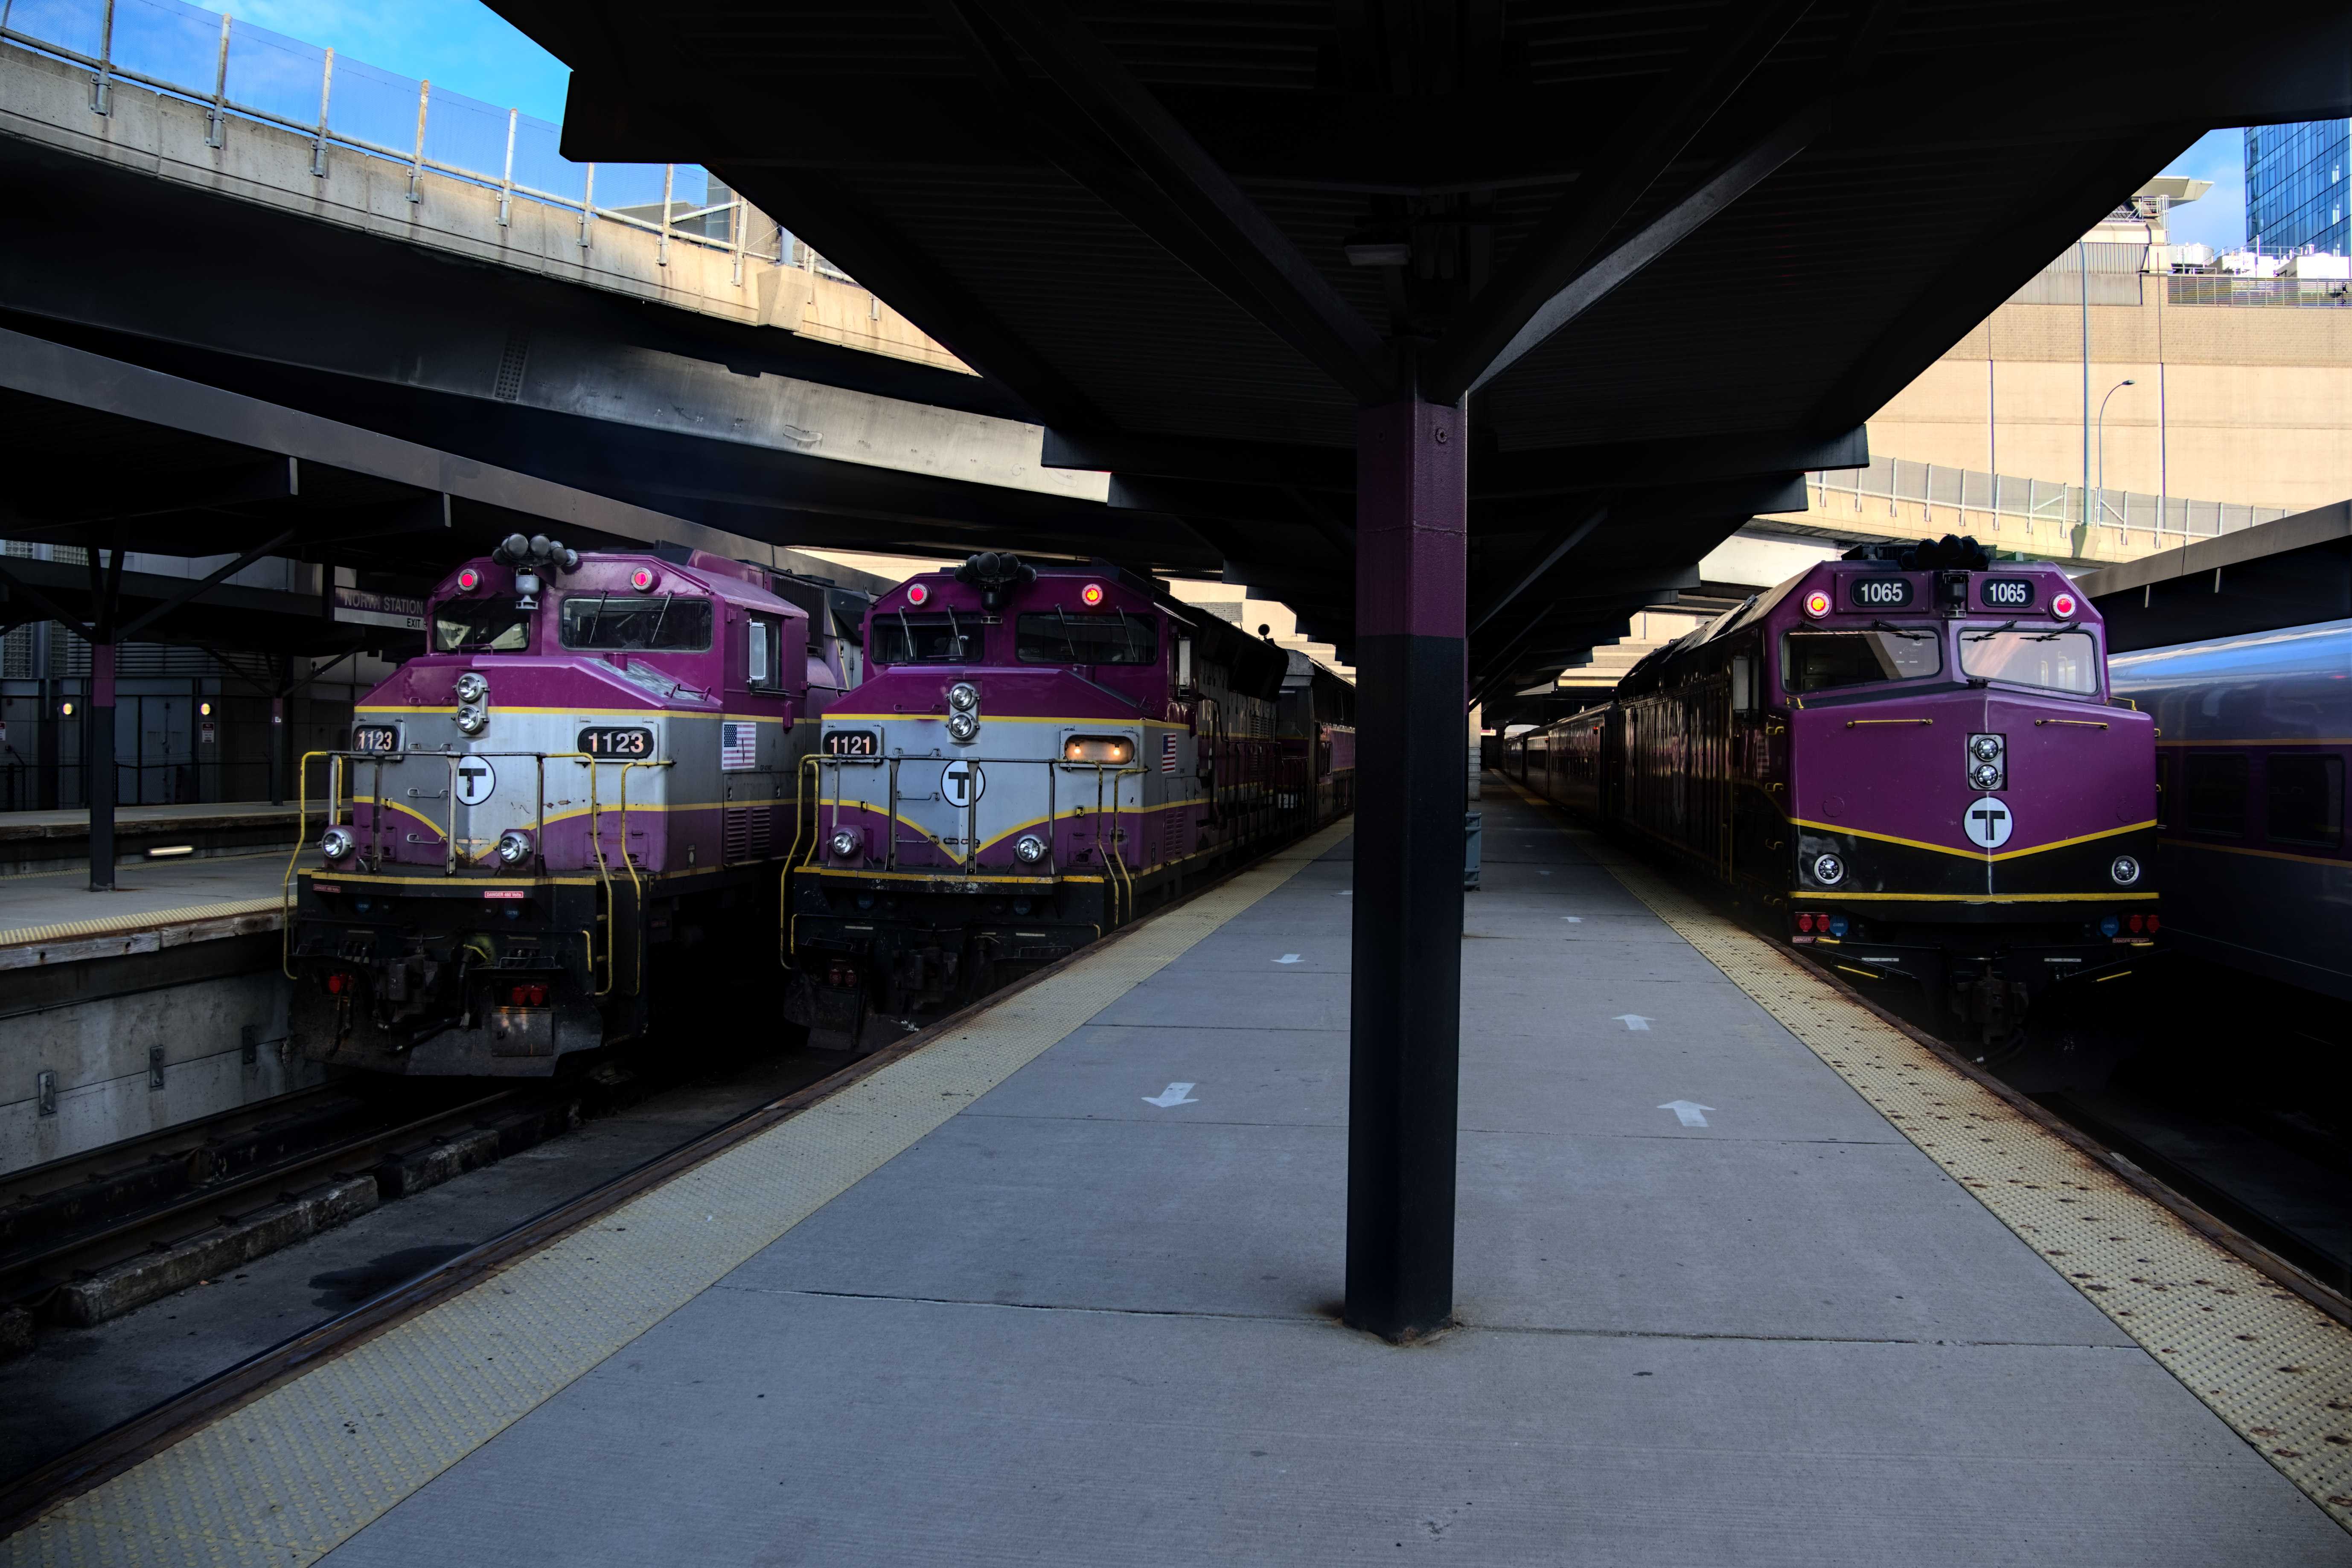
column 1301, row 306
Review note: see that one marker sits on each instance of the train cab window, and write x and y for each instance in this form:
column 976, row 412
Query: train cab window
column 2304, row 799
column 2214, row 794
column 1824, row 660
column 667, row 622
column 764, row 652
column 902, row 639
column 483, row 625
column 2060, row 660
column 1053, row 636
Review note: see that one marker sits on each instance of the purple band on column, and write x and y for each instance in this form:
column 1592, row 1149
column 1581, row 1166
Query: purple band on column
column 101, row 675
column 1412, row 505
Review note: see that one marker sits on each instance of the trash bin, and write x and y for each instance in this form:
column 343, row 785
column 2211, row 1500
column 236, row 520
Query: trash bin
column 1470, row 825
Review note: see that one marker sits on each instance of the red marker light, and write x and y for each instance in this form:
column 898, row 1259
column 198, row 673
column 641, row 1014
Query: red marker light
column 919, row 595
column 643, row 579
column 2063, row 606
column 1817, row 602
column 1091, row 593
column 469, row 580
column 2153, row 925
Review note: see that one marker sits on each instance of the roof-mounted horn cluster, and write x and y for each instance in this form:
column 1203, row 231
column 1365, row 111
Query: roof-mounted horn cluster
column 531, row 558
column 1954, row 551
column 992, row 575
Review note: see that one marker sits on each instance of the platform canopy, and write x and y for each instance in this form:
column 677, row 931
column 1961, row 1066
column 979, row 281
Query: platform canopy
column 1673, row 254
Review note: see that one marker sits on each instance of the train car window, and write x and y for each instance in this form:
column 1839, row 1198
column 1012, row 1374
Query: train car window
column 900, row 639
column 1743, row 684
column 491, row 626
column 667, row 622
column 1824, row 660
column 2214, row 792
column 1053, row 636
column 2058, row 660
column 2304, row 799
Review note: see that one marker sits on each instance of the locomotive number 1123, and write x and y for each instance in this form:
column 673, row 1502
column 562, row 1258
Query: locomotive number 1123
column 630, row 744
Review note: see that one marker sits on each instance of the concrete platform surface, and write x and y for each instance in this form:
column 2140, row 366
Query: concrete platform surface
column 139, row 820
column 56, row 903
column 1076, row 1314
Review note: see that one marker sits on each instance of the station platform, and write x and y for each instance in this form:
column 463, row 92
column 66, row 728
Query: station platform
column 1745, row 1276
column 41, row 843
column 52, row 917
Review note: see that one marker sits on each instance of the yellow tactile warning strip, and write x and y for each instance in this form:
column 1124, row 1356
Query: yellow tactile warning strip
column 2264, row 1361
column 125, row 924
column 290, row 1477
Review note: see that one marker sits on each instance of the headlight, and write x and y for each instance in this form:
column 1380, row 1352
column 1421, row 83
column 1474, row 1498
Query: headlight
column 1985, row 747
column 964, row 697
column 514, row 846
column 473, row 719
column 847, row 843
column 1985, row 775
column 1030, row 849
column 2125, row 870
column 471, row 687
column 963, row 726
column 337, row 842
column 1098, row 749
column 1828, row 870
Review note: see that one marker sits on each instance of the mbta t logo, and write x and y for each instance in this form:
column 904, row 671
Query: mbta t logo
column 1988, row 822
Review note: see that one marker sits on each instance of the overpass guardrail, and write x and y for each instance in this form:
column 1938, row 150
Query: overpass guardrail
column 236, row 71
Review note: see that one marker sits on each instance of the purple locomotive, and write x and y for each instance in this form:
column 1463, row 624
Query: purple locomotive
column 1037, row 755
column 1910, row 756
column 588, row 774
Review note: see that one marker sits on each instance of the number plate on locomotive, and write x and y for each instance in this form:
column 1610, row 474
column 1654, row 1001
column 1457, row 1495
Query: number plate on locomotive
column 2006, row 592
column 375, row 737
column 1879, row 592
column 852, row 743
column 629, row 744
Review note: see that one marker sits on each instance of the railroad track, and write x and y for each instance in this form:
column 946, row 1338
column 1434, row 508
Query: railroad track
column 89, row 1236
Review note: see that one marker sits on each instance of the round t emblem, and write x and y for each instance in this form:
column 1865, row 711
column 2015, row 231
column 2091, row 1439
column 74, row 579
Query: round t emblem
column 476, row 781
column 1988, row 822
column 962, row 782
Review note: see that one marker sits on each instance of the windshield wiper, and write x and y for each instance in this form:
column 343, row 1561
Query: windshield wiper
column 653, row 638
column 1913, row 633
column 1981, row 633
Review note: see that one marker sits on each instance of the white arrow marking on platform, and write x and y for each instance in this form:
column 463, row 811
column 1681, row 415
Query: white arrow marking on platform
column 1174, row 1094
column 1543, row 873
column 1290, row 958
column 1345, row 895
column 1634, row 1022
column 1687, row 1112
column 1573, row 920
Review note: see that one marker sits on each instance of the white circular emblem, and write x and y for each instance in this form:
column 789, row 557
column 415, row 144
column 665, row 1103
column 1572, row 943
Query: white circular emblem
column 962, row 782
column 476, row 781
column 1988, row 822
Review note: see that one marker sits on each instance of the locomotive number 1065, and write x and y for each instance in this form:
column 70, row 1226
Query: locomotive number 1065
column 1880, row 592
column 2006, row 592
column 608, row 742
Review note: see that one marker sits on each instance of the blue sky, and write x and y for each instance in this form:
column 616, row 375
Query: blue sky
column 461, row 45
column 2219, row 219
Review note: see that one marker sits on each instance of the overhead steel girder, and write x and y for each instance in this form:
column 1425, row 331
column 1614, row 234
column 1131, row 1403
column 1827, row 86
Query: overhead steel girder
column 1549, row 470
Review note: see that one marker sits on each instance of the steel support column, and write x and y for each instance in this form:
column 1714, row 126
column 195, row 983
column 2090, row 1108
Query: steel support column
column 1412, row 510
column 100, row 788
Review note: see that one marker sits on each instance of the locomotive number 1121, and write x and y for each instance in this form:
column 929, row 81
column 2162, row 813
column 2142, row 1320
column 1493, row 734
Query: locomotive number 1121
column 630, row 744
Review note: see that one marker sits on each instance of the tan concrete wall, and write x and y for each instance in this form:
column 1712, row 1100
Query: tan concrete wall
column 2233, row 403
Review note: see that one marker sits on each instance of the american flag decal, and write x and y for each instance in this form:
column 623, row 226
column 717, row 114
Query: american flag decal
column 738, row 746
column 1168, row 753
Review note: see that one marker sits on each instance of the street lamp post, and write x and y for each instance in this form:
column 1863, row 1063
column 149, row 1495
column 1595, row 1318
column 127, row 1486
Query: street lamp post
column 2102, row 444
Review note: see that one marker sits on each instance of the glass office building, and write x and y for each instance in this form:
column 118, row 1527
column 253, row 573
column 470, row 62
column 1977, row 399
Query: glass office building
column 2295, row 187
